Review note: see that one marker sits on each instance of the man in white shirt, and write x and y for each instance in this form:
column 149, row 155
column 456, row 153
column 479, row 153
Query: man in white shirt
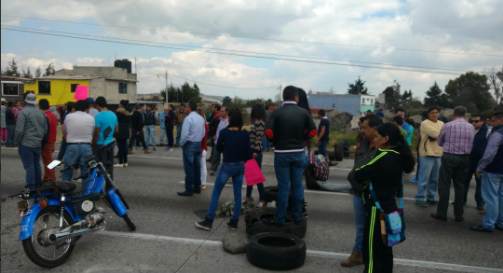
column 224, row 122
column 93, row 112
column 79, row 130
column 192, row 134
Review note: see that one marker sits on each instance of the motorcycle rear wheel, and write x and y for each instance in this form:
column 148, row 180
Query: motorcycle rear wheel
column 33, row 248
column 129, row 222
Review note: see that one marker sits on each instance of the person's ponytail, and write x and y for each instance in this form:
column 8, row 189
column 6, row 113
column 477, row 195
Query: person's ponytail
column 396, row 139
column 408, row 160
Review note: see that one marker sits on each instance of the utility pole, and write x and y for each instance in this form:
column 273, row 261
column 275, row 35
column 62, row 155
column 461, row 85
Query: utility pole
column 166, row 90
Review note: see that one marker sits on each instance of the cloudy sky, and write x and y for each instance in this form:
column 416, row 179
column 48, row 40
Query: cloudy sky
column 448, row 37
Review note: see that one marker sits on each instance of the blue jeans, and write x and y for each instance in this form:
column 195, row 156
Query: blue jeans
column 260, row 187
column 428, row 177
column 62, row 150
column 178, row 134
column 359, row 215
column 192, row 164
column 31, row 163
column 150, row 135
column 266, row 144
column 162, row 137
column 11, row 129
column 322, row 148
column 492, row 192
column 236, row 170
column 75, row 154
column 289, row 169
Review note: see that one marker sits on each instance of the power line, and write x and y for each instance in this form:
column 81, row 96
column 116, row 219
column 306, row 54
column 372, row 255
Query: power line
column 300, row 59
column 241, row 51
column 264, row 39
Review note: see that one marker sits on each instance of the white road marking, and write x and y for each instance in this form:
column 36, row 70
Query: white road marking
column 310, row 253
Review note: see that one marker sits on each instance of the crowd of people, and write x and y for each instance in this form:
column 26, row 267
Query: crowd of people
column 447, row 153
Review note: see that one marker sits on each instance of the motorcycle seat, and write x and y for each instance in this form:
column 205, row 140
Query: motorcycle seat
column 64, row 186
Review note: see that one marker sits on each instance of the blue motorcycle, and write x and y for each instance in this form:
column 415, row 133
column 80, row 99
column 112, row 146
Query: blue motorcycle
column 59, row 215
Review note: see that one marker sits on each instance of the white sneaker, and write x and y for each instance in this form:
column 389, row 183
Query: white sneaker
column 126, row 165
column 118, row 166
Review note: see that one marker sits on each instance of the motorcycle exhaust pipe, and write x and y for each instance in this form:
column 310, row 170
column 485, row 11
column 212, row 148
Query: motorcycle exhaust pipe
column 63, row 236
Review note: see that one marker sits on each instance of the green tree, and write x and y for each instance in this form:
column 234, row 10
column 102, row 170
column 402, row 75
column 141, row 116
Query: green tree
column 50, row 70
column 12, row 69
column 392, row 95
column 182, row 94
column 435, row 97
column 27, row 73
column 470, row 88
column 495, row 78
column 38, row 72
column 357, row 88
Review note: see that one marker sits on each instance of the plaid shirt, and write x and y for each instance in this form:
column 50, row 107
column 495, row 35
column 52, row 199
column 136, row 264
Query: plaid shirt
column 457, row 137
column 321, row 171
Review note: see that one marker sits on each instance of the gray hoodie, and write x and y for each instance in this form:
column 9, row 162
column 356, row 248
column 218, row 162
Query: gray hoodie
column 55, row 112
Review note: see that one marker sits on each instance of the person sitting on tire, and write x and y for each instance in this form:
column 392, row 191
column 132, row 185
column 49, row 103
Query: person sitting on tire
column 286, row 129
column 234, row 143
column 385, row 173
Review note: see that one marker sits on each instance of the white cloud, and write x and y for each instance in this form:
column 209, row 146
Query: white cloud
column 448, row 25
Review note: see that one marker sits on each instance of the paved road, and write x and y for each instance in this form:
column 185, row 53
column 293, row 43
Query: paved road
column 167, row 241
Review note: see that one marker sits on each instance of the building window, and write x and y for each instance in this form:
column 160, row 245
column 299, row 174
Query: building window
column 122, row 88
column 372, row 101
column 363, row 100
column 74, row 87
column 44, row 88
column 10, row 89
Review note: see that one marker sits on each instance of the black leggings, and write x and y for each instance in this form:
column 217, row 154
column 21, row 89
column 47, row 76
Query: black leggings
column 377, row 257
column 169, row 133
column 123, row 150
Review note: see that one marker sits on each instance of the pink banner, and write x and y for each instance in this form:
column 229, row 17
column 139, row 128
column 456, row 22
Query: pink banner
column 81, row 93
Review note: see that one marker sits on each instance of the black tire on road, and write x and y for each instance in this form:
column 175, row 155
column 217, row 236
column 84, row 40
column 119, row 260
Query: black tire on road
column 32, row 253
column 276, row 251
column 129, row 222
column 339, row 151
column 253, row 216
column 271, row 194
column 264, row 224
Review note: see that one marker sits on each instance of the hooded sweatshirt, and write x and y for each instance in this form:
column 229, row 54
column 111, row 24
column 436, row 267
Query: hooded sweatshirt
column 55, row 112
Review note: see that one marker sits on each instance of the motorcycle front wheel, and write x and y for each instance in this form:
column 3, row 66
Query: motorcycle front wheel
column 48, row 256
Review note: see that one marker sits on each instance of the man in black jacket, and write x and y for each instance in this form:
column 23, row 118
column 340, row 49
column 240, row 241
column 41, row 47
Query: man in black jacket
column 479, row 146
column 137, row 124
column 287, row 128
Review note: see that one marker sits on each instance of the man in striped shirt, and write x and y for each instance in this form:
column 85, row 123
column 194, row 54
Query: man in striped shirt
column 456, row 138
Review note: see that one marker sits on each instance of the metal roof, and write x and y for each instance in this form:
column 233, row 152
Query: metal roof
column 66, row 77
column 82, row 77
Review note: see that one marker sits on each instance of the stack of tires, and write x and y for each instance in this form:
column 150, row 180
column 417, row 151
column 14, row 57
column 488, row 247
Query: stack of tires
column 271, row 246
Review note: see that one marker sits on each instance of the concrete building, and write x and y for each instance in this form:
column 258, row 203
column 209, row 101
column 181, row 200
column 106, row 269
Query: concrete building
column 113, row 83
column 356, row 105
column 13, row 88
